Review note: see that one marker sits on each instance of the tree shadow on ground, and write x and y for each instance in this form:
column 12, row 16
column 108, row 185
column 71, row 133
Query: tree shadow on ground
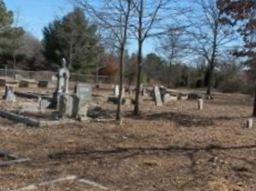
column 193, row 153
column 181, row 119
column 187, row 120
column 173, row 149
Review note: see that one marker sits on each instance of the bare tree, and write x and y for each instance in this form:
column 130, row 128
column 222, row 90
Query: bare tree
column 147, row 23
column 173, row 46
column 113, row 17
column 209, row 37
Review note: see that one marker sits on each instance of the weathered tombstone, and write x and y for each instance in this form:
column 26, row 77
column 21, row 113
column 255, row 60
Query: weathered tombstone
column 43, row 103
column 116, row 90
column 83, row 95
column 200, row 104
column 168, row 98
column 9, row 94
column 249, row 123
column 65, row 107
column 80, row 108
column 84, row 91
column 183, row 96
column 157, row 96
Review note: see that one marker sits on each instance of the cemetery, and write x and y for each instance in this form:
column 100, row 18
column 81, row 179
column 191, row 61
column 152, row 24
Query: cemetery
column 127, row 95
column 68, row 129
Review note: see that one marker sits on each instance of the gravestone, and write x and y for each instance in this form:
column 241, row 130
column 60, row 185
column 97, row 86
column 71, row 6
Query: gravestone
column 200, row 104
column 116, row 90
column 82, row 97
column 9, row 94
column 249, row 123
column 168, row 98
column 84, row 91
column 157, row 95
column 80, row 108
column 65, row 107
column 43, row 103
column 183, row 96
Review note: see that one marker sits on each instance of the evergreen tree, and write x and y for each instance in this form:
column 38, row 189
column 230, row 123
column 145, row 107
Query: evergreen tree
column 73, row 38
column 10, row 37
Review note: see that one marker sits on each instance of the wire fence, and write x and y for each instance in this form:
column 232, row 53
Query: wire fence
column 49, row 76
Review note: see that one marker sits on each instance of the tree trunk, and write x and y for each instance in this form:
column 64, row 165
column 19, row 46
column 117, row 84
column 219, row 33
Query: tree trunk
column 121, row 79
column 121, row 62
column 169, row 70
column 210, row 80
column 254, row 105
column 139, row 59
column 137, row 94
column 14, row 65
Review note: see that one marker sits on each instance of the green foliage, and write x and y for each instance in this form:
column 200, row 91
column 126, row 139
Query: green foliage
column 10, row 37
column 73, row 38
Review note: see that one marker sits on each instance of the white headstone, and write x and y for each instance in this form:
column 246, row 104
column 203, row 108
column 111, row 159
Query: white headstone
column 9, row 94
column 157, row 95
column 200, row 104
column 116, row 90
column 249, row 123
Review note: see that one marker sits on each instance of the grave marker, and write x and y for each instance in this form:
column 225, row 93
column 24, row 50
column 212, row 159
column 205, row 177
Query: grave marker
column 157, row 95
column 9, row 94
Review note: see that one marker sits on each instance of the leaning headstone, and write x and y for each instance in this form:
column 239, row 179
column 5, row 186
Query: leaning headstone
column 249, row 123
column 157, row 96
column 116, row 90
column 9, row 94
column 200, row 104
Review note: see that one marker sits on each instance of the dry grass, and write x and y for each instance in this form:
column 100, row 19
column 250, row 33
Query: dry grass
column 174, row 147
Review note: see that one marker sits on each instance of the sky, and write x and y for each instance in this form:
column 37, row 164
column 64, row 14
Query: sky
column 33, row 15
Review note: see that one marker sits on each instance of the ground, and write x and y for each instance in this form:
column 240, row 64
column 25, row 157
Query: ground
column 174, row 147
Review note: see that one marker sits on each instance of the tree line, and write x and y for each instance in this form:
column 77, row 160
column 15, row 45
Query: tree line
column 199, row 43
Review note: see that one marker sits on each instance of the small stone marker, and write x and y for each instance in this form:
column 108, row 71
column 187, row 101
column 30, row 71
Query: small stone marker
column 43, row 104
column 116, row 90
column 168, row 98
column 157, row 96
column 249, row 123
column 200, row 104
column 9, row 95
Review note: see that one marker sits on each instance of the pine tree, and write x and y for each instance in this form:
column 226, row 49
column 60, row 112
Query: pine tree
column 73, row 38
column 10, row 37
